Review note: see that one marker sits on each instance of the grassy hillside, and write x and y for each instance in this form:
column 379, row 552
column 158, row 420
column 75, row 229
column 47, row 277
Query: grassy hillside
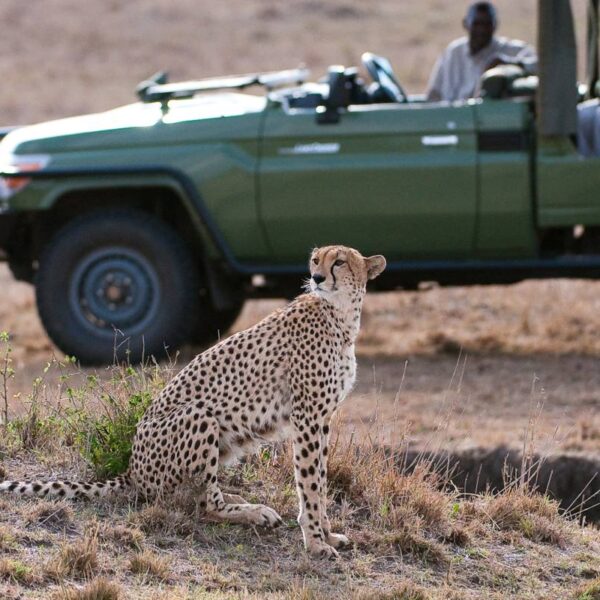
column 64, row 57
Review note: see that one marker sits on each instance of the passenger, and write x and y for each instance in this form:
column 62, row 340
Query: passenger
column 588, row 128
column 458, row 70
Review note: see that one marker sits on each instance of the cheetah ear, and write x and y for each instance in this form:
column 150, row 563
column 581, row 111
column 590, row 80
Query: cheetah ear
column 375, row 265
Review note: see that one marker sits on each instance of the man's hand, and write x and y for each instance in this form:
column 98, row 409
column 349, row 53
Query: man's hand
column 495, row 62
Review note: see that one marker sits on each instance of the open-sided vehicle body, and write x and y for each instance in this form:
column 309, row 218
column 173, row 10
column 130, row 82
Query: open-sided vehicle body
column 156, row 220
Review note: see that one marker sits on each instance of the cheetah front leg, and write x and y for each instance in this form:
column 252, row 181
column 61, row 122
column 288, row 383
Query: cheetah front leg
column 308, row 468
column 337, row 540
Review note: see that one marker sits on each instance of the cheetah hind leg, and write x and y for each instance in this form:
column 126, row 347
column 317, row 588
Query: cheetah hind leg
column 233, row 499
column 226, row 507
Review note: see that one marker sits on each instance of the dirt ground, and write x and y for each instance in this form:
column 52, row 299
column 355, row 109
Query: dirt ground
column 445, row 368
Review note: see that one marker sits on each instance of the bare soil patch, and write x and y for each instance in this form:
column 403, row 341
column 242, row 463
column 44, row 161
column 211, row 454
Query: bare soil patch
column 471, row 365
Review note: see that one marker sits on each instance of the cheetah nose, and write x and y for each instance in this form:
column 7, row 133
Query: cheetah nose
column 318, row 278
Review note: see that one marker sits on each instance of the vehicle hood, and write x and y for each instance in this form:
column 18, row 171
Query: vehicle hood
column 141, row 120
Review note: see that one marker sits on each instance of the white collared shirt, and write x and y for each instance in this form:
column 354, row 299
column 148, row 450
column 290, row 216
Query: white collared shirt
column 457, row 72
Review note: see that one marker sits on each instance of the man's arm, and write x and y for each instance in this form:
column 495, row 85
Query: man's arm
column 518, row 53
column 434, row 87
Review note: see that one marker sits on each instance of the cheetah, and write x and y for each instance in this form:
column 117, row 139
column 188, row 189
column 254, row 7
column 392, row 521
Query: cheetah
column 281, row 378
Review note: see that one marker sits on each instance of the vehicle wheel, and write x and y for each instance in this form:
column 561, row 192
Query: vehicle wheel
column 212, row 324
column 117, row 284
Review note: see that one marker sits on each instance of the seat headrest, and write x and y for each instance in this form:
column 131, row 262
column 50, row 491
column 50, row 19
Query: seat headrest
column 496, row 83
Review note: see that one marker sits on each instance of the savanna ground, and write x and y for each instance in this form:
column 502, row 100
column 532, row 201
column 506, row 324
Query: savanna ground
column 452, row 367
column 441, row 368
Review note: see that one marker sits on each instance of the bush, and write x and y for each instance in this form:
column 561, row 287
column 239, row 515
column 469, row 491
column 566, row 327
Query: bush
column 105, row 439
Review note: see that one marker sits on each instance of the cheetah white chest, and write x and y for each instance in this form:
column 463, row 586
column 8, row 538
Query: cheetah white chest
column 348, row 370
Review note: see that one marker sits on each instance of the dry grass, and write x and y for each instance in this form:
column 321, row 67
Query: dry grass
column 588, row 591
column 57, row 516
column 535, row 516
column 401, row 513
column 77, row 560
column 98, row 589
column 158, row 519
column 549, row 317
column 8, row 540
column 15, row 571
column 403, row 591
column 150, row 566
column 120, row 535
column 400, row 522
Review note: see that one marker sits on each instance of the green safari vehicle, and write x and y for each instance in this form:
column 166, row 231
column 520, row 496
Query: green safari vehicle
column 149, row 225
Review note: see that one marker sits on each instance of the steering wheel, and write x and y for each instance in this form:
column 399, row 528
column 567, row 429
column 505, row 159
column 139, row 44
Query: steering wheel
column 380, row 70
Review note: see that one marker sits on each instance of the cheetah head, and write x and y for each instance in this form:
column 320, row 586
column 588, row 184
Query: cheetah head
column 341, row 271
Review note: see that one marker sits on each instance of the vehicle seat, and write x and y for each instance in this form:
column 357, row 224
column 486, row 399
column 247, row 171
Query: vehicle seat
column 507, row 81
column 310, row 95
column 339, row 87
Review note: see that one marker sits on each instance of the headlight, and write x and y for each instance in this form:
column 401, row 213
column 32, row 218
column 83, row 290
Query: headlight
column 16, row 164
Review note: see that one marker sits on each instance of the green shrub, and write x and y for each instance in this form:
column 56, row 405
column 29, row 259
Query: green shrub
column 105, row 439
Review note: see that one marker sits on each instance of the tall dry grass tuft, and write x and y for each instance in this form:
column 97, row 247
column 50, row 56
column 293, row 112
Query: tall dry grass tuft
column 98, row 589
column 587, row 591
column 161, row 520
column 16, row 572
column 8, row 539
column 369, row 477
column 402, row 591
column 122, row 536
column 56, row 516
column 150, row 566
column 535, row 516
column 77, row 560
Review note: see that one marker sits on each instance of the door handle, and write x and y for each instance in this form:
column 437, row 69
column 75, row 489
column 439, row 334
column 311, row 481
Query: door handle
column 439, row 140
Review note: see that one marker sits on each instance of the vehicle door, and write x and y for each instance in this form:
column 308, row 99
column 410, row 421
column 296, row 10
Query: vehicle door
column 399, row 179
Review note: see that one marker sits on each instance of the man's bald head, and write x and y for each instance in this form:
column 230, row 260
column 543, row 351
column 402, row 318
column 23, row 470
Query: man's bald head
column 480, row 21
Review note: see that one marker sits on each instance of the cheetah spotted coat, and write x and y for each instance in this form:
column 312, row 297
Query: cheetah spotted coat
column 282, row 378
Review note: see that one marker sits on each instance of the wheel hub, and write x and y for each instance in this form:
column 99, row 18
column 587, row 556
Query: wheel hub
column 115, row 288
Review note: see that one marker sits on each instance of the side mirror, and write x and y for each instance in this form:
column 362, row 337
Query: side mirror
column 337, row 98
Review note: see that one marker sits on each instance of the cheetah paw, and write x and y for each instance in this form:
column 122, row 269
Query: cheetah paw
column 261, row 515
column 337, row 540
column 322, row 550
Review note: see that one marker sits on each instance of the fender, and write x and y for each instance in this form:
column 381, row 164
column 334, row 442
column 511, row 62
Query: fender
column 175, row 179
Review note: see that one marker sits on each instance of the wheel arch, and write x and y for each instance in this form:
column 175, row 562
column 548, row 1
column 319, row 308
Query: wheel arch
column 161, row 197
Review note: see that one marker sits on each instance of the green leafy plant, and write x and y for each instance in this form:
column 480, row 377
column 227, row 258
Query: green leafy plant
column 105, row 440
column 6, row 373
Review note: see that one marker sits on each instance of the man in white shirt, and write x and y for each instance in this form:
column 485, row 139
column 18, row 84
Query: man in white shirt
column 458, row 70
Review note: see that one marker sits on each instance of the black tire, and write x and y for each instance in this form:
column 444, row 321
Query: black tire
column 212, row 324
column 118, row 284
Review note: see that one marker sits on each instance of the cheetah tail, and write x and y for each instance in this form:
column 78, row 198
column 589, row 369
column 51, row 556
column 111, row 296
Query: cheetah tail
column 66, row 489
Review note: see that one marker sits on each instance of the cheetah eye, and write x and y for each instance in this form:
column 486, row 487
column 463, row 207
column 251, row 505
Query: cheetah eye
column 315, row 261
column 339, row 263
